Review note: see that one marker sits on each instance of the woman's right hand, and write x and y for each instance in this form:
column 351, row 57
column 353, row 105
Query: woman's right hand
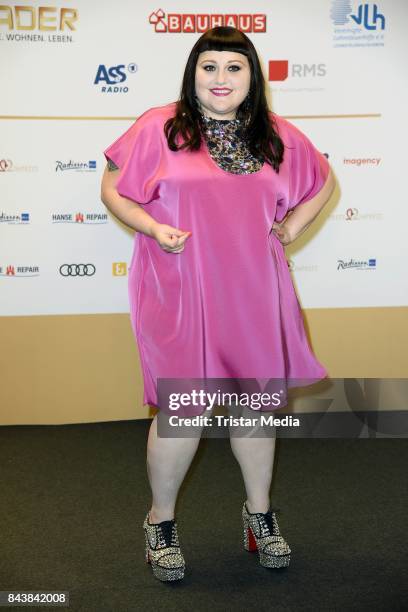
column 169, row 238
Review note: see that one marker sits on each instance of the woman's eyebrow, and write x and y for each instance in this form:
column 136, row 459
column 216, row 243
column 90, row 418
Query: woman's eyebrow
column 229, row 62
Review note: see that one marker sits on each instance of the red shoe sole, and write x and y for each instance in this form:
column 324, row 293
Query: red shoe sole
column 251, row 540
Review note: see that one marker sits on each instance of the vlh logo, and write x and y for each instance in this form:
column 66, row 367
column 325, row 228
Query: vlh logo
column 367, row 15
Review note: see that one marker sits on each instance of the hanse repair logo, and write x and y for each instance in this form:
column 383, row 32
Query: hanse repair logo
column 109, row 78
column 357, row 26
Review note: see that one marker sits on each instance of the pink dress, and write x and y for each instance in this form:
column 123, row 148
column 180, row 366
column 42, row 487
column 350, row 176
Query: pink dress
column 225, row 307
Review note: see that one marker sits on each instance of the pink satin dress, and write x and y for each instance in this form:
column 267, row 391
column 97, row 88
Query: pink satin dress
column 225, row 307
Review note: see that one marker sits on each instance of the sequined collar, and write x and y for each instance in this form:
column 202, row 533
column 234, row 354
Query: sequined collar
column 227, row 145
column 212, row 122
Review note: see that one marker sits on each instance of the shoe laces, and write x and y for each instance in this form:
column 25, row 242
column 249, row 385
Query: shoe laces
column 167, row 534
column 268, row 525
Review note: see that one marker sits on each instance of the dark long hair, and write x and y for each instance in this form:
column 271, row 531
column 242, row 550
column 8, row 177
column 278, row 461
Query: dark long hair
column 262, row 139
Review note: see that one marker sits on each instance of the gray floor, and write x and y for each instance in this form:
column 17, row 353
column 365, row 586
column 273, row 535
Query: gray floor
column 73, row 499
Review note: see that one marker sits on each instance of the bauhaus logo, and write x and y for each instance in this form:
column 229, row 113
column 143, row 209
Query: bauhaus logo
column 201, row 22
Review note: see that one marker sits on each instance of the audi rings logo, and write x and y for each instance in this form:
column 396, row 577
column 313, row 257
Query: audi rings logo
column 77, row 270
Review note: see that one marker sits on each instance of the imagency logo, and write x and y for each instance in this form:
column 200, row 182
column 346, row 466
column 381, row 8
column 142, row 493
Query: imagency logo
column 177, row 23
column 109, row 77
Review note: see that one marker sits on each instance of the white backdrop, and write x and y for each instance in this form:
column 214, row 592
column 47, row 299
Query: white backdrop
column 346, row 88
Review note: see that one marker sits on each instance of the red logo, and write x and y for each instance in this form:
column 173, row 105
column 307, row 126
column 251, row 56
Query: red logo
column 278, row 70
column 189, row 22
column 79, row 218
column 10, row 271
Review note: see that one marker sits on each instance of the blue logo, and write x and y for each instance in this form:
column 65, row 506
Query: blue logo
column 110, row 77
column 362, row 264
column 88, row 166
column 340, row 11
column 15, row 218
column 362, row 27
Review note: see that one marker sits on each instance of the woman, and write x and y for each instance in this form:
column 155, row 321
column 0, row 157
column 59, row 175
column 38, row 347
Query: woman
column 213, row 184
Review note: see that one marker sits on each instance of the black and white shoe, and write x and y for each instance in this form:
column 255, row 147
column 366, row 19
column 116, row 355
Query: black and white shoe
column 163, row 550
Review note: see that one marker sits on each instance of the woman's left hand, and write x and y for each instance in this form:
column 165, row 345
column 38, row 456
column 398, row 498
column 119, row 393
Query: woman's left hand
column 282, row 233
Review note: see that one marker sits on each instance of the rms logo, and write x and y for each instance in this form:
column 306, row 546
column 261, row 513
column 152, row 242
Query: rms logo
column 280, row 70
column 201, row 22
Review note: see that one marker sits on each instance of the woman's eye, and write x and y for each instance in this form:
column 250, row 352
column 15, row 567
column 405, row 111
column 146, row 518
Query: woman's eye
column 209, row 68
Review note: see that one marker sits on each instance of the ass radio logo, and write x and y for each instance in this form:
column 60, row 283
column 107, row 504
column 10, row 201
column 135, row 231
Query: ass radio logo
column 110, row 78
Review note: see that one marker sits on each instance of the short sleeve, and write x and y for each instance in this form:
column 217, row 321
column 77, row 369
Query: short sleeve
column 309, row 168
column 138, row 154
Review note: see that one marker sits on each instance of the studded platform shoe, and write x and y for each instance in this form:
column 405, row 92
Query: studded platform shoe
column 163, row 550
column 261, row 532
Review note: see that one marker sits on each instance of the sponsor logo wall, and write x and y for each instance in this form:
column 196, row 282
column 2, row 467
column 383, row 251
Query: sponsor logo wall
column 337, row 72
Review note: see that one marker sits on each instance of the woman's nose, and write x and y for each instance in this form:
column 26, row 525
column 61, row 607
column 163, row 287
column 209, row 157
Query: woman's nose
column 221, row 77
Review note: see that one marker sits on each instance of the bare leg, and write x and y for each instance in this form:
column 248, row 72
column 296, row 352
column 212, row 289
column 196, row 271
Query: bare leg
column 168, row 460
column 255, row 456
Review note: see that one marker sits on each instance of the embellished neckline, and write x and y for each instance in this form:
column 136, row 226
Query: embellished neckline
column 227, row 145
column 222, row 121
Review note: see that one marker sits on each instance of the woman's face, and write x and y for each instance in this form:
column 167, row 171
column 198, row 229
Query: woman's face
column 222, row 82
